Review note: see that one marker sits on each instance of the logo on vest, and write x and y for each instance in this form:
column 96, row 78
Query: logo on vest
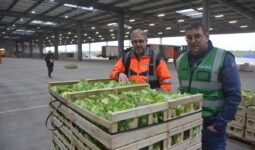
column 205, row 67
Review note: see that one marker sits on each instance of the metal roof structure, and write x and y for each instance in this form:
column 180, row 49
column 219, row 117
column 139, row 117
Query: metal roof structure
column 31, row 19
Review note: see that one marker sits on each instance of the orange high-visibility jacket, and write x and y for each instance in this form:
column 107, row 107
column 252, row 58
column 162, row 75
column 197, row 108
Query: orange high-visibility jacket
column 139, row 70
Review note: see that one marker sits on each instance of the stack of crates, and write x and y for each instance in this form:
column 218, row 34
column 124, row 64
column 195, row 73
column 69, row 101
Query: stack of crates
column 243, row 126
column 79, row 129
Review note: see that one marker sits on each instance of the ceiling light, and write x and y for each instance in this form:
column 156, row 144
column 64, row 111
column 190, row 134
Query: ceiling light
column 190, row 13
column 112, row 34
column 243, row 26
column 21, row 19
column 112, row 24
column 168, row 28
column 85, row 34
column 127, row 32
column 160, row 33
column 200, row 8
column 182, row 31
column 66, row 16
column 126, row 36
column 75, row 36
column 113, row 37
column 233, row 21
column 181, row 20
column 33, row 12
column 27, row 32
column 129, row 27
column 131, row 20
column 97, row 32
column 13, row 25
column 93, row 28
column 102, row 38
column 151, row 24
column 111, row 30
column 80, row 7
column 161, row 15
column 69, row 33
column 145, row 30
column 210, row 29
column 48, row 23
column 219, row 16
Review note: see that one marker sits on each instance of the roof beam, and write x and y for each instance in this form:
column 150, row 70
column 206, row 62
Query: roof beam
column 237, row 9
column 34, row 16
column 10, row 7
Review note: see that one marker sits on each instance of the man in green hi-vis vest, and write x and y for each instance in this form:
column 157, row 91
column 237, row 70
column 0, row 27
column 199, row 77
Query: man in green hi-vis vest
column 211, row 71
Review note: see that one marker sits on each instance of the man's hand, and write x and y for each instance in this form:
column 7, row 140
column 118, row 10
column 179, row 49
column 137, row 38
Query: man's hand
column 123, row 78
column 211, row 128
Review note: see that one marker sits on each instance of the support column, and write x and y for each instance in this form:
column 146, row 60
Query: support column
column 89, row 50
column 41, row 46
column 31, row 48
column 206, row 15
column 121, row 33
column 56, row 43
column 17, row 49
column 79, row 40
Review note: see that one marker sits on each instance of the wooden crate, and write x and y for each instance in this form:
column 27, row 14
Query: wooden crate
column 231, row 130
column 250, row 123
column 112, row 124
column 190, row 139
column 113, row 141
column 58, row 142
column 250, row 113
column 246, row 101
column 241, row 111
column 90, row 92
column 250, row 135
column 78, row 140
column 239, row 121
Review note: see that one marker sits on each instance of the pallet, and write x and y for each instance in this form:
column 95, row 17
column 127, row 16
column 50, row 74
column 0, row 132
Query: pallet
column 114, row 141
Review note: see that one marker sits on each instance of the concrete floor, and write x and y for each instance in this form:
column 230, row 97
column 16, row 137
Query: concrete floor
column 24, row 98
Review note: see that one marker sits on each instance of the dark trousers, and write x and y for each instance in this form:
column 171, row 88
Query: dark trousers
column 50, row 68
column 213, row 140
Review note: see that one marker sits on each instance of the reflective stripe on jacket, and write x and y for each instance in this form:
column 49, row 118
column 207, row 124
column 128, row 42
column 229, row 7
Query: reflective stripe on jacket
column 203, row 78
column 139, row 70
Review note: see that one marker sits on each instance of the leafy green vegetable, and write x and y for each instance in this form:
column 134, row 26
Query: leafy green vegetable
column 177, row 138
column 84, row 85
column 195, row 131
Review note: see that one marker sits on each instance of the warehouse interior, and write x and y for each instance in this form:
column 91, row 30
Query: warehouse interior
column 27, row 27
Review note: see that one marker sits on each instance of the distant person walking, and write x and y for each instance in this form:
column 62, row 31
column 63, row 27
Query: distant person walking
column 49, row 58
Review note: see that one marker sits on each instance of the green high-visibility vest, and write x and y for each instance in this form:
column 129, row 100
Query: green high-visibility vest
column 203, row 78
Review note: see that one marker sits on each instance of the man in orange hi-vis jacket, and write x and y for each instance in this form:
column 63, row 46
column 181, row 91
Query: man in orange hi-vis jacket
column 143, row 65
